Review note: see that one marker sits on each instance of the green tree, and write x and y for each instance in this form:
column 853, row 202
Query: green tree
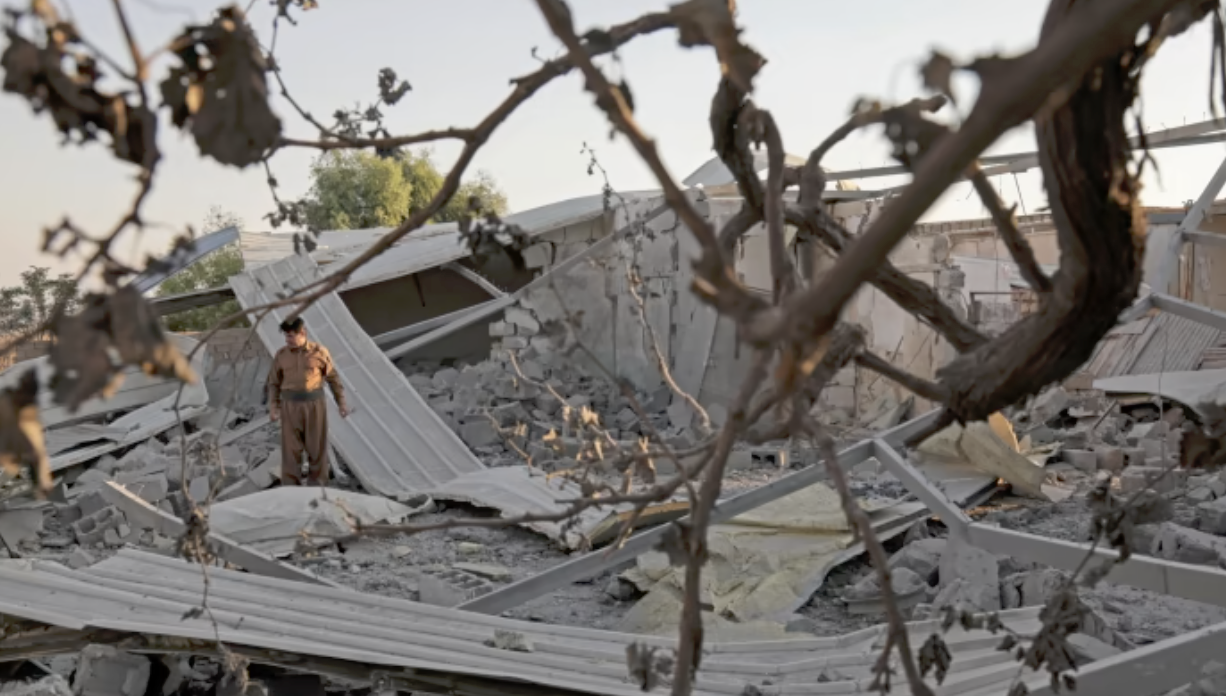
column 210, row 272
column 31, row 304
column 359, row 190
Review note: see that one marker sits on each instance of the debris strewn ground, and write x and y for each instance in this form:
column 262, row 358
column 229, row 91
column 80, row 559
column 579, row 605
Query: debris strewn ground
column 1069, row 439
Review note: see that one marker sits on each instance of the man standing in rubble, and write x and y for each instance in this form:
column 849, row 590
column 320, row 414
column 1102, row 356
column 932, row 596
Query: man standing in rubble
column 296, row 399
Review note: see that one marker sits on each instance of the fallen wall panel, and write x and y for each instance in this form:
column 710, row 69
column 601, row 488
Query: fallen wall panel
column 394, row 442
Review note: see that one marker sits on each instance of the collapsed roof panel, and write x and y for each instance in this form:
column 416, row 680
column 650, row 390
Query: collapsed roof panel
column 393, row 440
column 714, row 172
column 262, row 248
column 425, row 248
column 1158, row 342
column 179, row 261
column 302, row 621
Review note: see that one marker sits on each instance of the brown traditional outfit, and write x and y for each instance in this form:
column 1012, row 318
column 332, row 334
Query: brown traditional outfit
column 295, row 386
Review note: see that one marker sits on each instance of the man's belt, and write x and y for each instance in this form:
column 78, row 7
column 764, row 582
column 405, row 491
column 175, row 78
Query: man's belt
column 314, row 395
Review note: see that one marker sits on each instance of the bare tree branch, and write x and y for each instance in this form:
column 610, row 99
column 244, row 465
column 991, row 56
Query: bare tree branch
column 1006, row 223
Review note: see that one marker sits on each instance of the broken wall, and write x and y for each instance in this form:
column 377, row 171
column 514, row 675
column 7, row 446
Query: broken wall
column 979, row 239
column 595, row 300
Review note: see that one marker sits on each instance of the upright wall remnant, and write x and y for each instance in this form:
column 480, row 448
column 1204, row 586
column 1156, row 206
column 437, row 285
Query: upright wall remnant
column 594, row 304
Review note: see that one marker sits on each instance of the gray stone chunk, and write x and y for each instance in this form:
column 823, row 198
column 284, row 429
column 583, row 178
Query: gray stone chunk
column 79, row 558
column 1137, row 478
column 921, row 557
column 1212, row 516
column 1086, row 649
column 105, row 671
column 970, row 579
column 1085, row 460
column 479, row 433
column 1030, row 589
column 1176, row 543
column 525, row 323
column 153, row 489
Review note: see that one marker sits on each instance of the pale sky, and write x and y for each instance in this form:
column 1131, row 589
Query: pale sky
column 459, row 55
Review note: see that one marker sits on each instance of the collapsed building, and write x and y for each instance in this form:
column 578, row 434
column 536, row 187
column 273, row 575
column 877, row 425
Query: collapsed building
column 466, row 372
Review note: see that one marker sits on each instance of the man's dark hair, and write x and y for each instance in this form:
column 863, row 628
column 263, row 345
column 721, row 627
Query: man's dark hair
column 293, row 325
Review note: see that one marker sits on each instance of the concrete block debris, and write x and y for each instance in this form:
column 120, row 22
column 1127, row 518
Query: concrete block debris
column 448, row 587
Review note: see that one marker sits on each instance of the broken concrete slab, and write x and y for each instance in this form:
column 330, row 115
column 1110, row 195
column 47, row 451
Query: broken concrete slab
column 1032, row 588
column 922, row 557
column 273, row 521
column 1177, row 543
column 865, row 597
column 105, row 671
column 143, row 515
column 970, row 579
column 1212, row 516
column 20, row 526
column 257, row 479
column 70, row 436
column 140, row 425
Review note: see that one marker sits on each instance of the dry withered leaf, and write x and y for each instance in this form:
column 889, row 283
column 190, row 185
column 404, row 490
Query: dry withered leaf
column 138, row 337
column 83, row 367
column 219, row 92
column 21, row 433
column 935, row 658
column 713, row 23
column 58, row 75
column 938, row 74
column 284, row 5
column 123, row 324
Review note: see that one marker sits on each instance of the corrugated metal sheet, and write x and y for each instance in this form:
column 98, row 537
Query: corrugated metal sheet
column 440, row 244
column 204, row 246
column 1214, row 357
column 714, row 172
column 262, row 248
column 1158, row 342
column 393, row 441
column 426, row 248
column 139, row 592
column 1177, row 345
